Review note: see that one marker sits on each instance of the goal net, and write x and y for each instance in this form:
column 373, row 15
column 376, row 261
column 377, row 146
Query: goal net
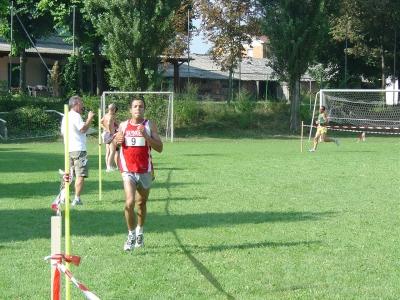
column 27, row 123
column 361, row 107
column 159, row 109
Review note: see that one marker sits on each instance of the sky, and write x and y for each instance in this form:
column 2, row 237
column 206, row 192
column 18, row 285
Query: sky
column 197, row 45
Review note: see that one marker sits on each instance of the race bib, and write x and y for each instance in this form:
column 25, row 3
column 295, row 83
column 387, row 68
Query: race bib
column 138, row 141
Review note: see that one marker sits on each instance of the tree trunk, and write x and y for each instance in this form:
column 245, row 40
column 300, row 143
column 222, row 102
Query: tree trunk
column 294, row 94
column 230, row 86
column 383, row 65
column 22, row 72
column 99, row 70
column 77, row 38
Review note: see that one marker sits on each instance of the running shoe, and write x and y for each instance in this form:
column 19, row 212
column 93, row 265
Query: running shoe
column 128, row 246
column 77, row 201
column 139, row 241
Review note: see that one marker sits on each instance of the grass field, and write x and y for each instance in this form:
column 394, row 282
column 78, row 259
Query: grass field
column 227, row 219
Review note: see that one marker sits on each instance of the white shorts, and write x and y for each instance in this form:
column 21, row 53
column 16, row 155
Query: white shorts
column 142, row 180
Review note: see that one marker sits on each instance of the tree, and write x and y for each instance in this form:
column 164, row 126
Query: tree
column 135, row 33
column 182, row 16
column 228, row 24
column 370, row 26
column 294, row 28
column 30, row 24
column 72, row 17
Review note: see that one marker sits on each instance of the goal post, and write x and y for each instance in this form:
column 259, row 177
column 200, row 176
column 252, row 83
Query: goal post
column 359, row 107
column 159, row 108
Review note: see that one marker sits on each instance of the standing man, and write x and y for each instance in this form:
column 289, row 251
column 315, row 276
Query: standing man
column 109, row 124
column 136, row 137
column 322, row 122
column 77, row 144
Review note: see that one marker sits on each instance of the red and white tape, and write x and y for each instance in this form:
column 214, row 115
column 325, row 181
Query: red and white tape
column 344, row 128
column 365, row 127
column 56, row 205
column 56, row 259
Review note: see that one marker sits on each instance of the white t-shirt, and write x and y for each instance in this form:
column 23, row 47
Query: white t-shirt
column 77, row 139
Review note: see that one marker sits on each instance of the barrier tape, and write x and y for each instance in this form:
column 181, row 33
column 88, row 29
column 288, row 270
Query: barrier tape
column 364, row 127
column 342, row 128
column 61, row 196
column 56, row 259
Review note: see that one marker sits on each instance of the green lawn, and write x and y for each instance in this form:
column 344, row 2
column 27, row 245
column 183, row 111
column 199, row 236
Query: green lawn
column 227, row 219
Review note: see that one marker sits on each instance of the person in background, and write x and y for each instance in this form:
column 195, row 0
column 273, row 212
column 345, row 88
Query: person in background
column 136, row 137
column 77, row 129
column 109, row 126
column 322, row 122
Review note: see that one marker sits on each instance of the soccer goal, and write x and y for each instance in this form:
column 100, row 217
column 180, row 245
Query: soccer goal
column 159, row 108
column 360, row 107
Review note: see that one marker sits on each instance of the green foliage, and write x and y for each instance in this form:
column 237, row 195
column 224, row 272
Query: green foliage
column 229, row 25
column 31, row 114
column 135, row 34
column 53, row 78
column 92, row 103
column 69, row 77
column 292, row 26
column 156, row 106
column 269, row 117
column 187, row 110
column 30, row 121
column 245, row 105
column 10, row 102
column 244, row 102
column 6, row 103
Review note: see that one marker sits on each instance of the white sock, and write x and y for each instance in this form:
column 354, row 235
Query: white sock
column 139, row 230
column 132, row 233
column 77, row 197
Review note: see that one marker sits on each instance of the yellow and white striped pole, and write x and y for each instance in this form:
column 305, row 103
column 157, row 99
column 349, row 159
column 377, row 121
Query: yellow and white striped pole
column 301, row 137
column 99, row 125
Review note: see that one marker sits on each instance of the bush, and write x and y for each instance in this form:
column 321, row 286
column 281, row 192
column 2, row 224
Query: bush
column 187, row 111
column 245, row 105
column 29, row 121
column 156, row 106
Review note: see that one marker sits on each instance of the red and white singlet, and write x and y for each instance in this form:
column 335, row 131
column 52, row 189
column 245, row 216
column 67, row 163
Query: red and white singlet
column 135, row 153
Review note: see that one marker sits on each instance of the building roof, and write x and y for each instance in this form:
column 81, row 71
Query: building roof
column 202, row 66
column 52, row 45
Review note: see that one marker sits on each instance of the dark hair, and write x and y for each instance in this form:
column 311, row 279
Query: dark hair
column 323, row 107
column 116, row 108
column 144, row 103
column 73, row 101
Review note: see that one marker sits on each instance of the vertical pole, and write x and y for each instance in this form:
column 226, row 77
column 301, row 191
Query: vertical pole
column 345, row 57
column 394, row 64
column 11, row 42
column 73, row 29
column 310, row 93
column 188, row 29
column 56, row 226
column 67, row 221
column 171, row 98
column 100, row 189
column 301, row 137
